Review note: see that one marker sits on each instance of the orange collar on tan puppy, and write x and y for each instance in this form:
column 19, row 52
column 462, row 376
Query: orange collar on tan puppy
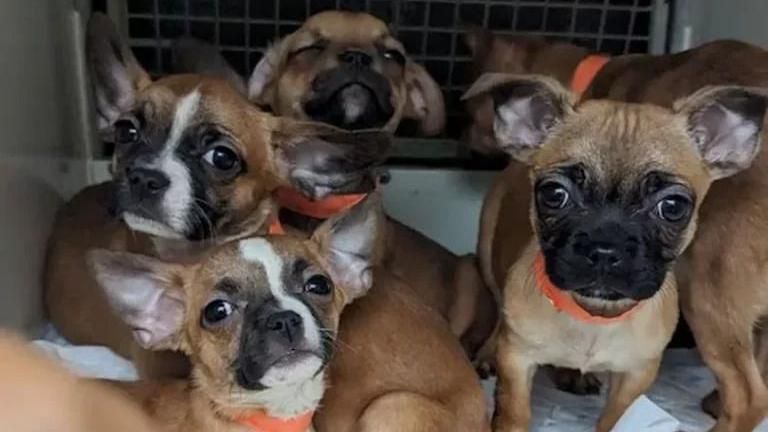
column 321, row 209
column 586, row 72
column 564, row 302
column 262, row 422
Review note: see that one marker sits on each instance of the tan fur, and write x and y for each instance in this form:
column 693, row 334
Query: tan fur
column 212, row 400
column 421, row 293
column 720, row 276
column 38, row 395
column 618, row 142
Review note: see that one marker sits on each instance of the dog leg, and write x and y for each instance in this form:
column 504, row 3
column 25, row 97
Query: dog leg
column 409, row 412
column 513, row 390
column 624, row 389
column 727, row 347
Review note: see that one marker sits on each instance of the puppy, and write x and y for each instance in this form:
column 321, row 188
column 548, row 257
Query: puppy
column 196, row 164
column 614, row 190
column 722, row 300
column 258, row 318
column 346, row 69
column 38, row 395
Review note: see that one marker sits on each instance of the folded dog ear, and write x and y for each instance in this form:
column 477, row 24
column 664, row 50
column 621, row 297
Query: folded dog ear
column 146, row 293
column 526, row 109
column 189, row 55
column 348, row 243
column 725, row 124
column 425, row 102
column 318, row 159
column 115, row 73
column 262, row 80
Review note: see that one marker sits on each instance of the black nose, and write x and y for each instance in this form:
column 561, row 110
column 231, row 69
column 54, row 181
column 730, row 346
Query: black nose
column 604, row 252
column 356, row 58
column 605, row 256
column 147, row 182
column 287, row 324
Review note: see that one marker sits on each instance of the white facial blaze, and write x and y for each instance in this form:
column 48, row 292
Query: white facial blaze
column 178, row 197
column 261, row 251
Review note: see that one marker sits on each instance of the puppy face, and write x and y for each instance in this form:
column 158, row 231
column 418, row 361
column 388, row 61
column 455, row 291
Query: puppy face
column 257, row 314
column 195, row 159
column 616, row 186
column 346, row 69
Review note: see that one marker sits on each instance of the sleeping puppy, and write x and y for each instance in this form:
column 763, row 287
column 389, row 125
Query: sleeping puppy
column 587, row 235
column 195, row 164
column 347, row 69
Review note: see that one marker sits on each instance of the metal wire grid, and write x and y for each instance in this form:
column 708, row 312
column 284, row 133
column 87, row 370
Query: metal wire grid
column 432, row 30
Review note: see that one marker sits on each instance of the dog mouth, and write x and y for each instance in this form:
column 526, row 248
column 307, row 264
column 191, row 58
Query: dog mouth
column 292, row 366
column 605, row 306
column 350, row 99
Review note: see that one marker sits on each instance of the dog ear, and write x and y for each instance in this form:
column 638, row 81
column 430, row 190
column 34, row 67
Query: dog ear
column 725, row 124
column 262, row 80
column 146, row 293
column 348, row 243
column 318, row 159
column 190, row 55
column 526, row 109
column 115, row 73
column 425, row 102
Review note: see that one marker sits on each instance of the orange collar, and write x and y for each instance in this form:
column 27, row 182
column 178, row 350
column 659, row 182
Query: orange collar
column 586, row 71
column 564, row 302
column 261, row 422
column 275, row 228
column 321, row 209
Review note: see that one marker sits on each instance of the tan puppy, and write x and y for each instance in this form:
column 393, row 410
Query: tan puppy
column 721, row 290
column 613, row 194
column 195, row 164
column 346, row 69
column 38, row 395
column 258, row 318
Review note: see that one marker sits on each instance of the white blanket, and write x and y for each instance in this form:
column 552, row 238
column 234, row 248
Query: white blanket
column 672, row 404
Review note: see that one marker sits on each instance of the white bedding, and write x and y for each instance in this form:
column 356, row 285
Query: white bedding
column 672, row 404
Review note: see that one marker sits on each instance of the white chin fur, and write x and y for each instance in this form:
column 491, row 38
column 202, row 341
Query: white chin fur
column 295, row 372
column 354, row 99
column 285, row 401
column 138, row 223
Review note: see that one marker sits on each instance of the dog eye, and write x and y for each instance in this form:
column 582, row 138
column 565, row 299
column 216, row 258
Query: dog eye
column 673, row 208
column 126, row 132
column 553, row 196
column 318, row 284
column 216, row 312
column 314, row 48
column 395, row 56
column 222, row 158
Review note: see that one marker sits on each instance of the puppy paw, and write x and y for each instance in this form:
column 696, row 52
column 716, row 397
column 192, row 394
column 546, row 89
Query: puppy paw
column 484, row 369
column 573, row 381
column 711, row 404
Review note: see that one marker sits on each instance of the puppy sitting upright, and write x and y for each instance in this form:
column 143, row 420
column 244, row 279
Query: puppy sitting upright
column 257, row 316
column 195, row 163
column 613, row 195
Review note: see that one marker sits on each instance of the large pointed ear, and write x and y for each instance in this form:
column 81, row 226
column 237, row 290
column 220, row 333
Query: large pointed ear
column 262, row 81
column 115, row 73
column 190, row 55
column 348, row 243
column 146, row 293
column 527, row 108
column 425, row 102
column 318, row 159
column 726, row 126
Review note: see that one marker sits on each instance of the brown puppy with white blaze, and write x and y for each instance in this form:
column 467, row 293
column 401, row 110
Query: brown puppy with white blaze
column 258, row 318
column 195, row 164
column 347, row 69
column 720, row 277
column 607, row 204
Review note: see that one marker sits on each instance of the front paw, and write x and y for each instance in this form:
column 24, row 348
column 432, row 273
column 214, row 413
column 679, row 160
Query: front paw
column 575, row 382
